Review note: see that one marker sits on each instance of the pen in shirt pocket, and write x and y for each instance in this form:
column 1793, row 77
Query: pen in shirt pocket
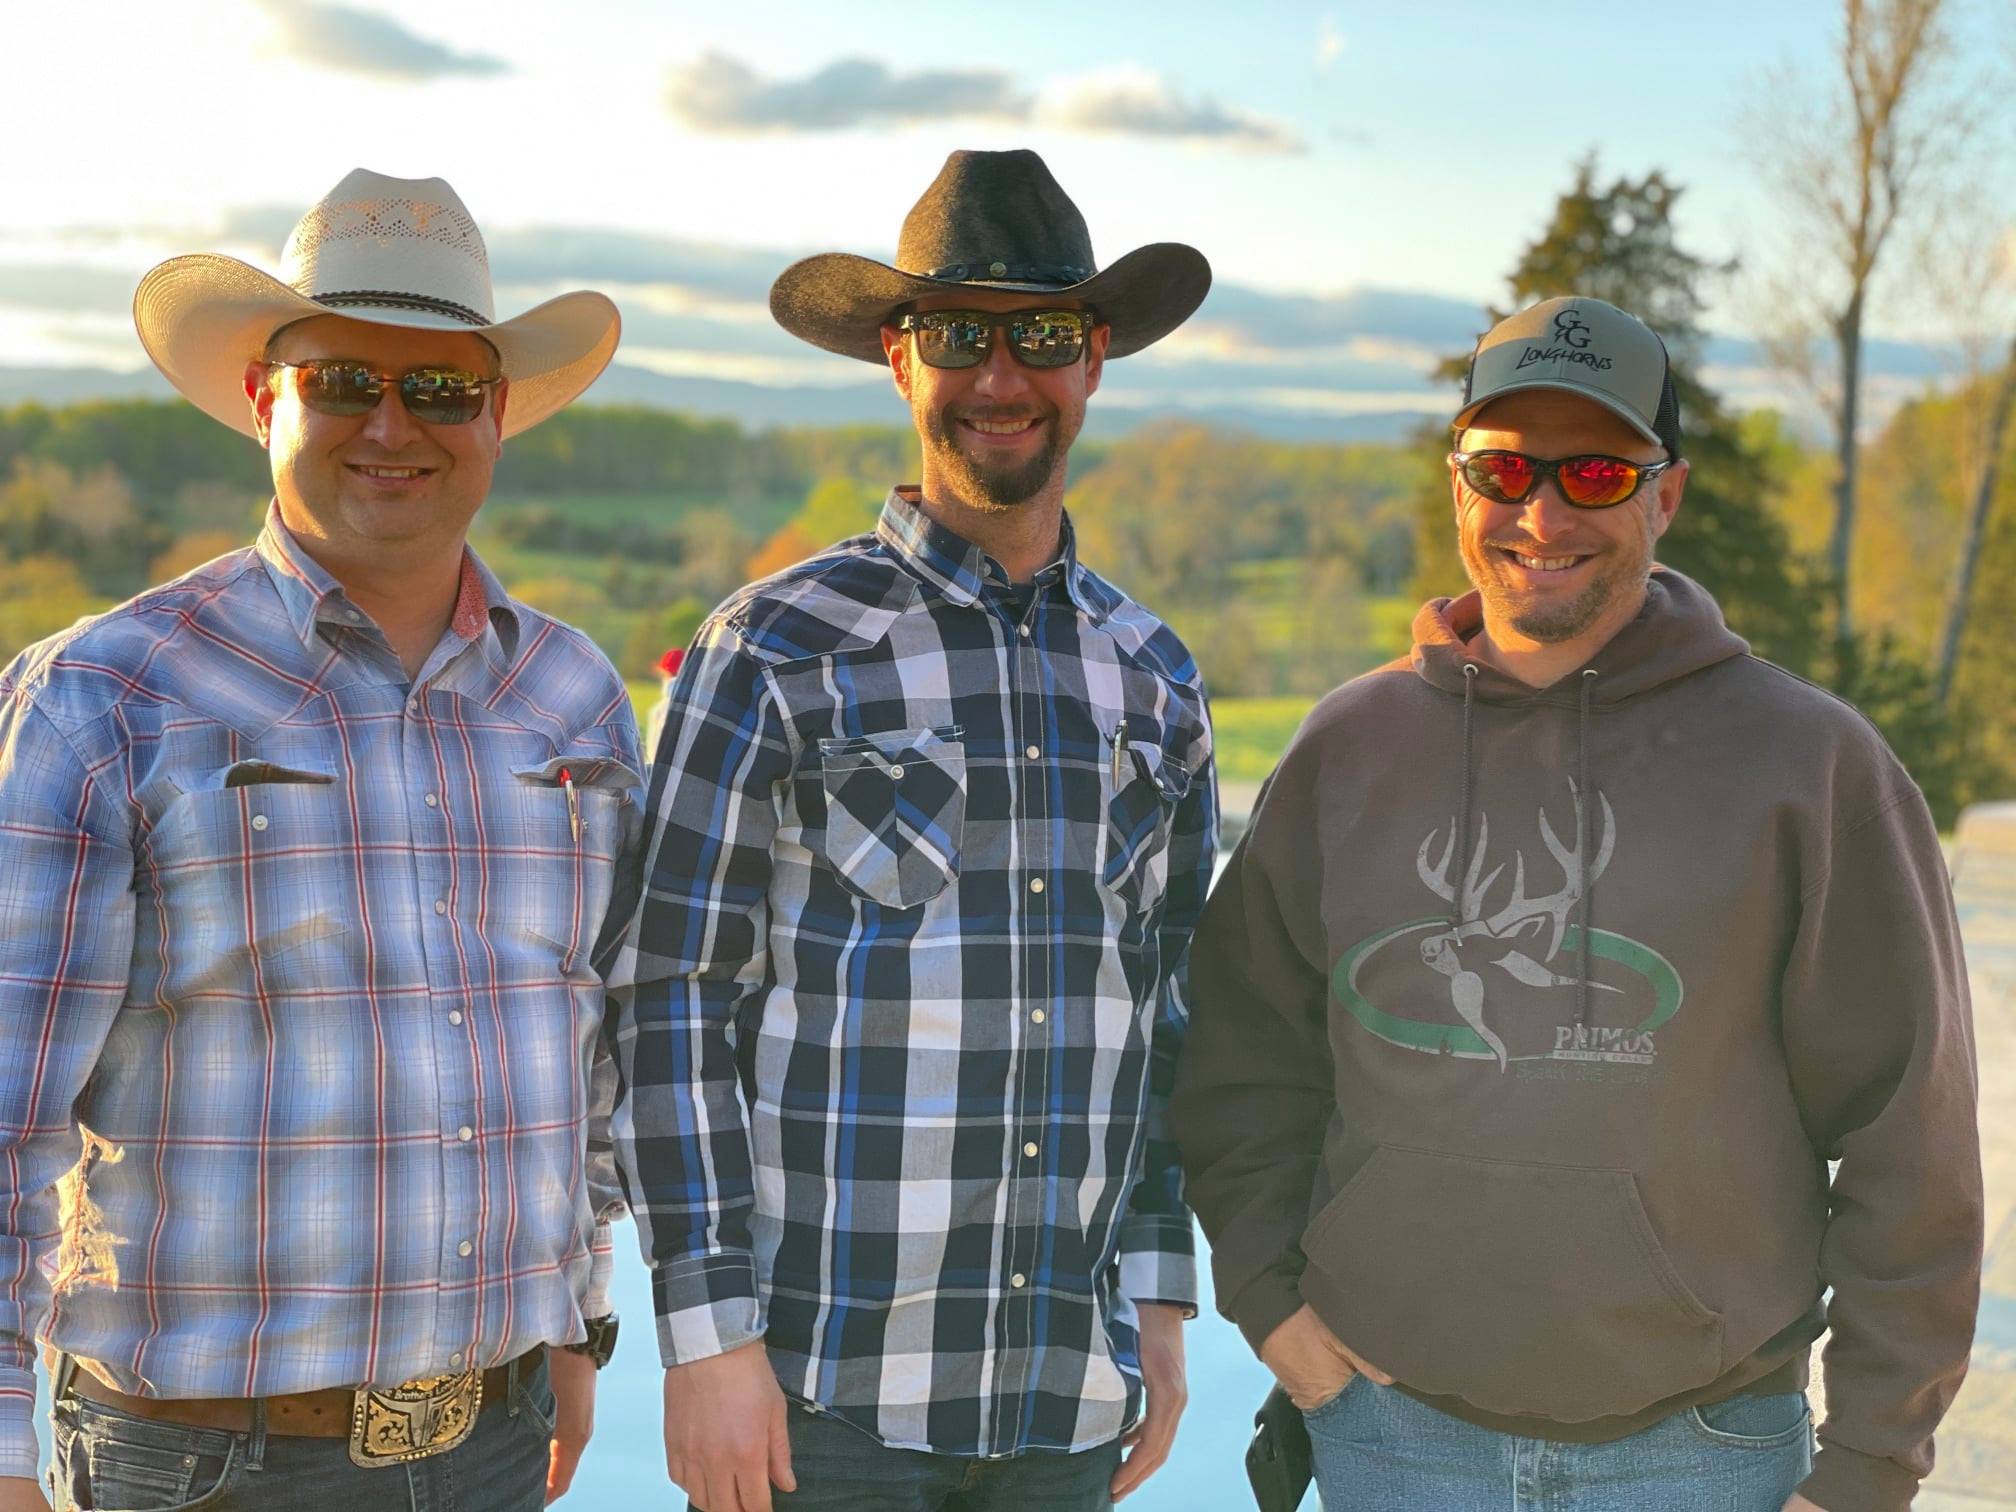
column 1119, row 750
column 573, row 804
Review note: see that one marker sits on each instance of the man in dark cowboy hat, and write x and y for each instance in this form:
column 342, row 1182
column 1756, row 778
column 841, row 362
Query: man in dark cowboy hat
column 303, row 858
column 933, row 815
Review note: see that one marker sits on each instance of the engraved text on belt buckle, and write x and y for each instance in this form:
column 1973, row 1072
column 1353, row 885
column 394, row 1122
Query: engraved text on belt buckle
column 392, row 1424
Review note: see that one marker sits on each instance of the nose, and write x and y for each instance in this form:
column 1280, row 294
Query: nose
column 391, row 425
column 999, row 376
column 1545, row 515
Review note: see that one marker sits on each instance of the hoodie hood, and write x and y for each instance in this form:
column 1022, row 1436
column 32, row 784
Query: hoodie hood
column 1679, row 631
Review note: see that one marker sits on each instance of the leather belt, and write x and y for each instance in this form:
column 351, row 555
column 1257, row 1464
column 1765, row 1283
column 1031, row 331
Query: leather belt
column 304, row 1414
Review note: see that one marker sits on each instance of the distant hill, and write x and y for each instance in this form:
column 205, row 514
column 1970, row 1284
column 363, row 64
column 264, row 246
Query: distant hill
column 759, row 406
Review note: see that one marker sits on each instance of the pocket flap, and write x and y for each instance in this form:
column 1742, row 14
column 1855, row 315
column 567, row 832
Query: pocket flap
column 257, row 773
column 587, row 771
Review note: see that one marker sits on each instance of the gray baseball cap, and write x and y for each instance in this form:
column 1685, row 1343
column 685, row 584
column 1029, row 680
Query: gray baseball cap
column 1581, row 346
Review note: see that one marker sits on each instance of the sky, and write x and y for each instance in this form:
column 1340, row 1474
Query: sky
column 1361, row 176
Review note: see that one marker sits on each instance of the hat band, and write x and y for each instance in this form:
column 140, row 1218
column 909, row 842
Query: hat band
column 1050, row 273
column 399, row 301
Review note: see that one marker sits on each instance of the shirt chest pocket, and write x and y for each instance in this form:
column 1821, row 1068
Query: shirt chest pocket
column 567, row 826
column 895, row 812
column 245, row 861
column 1144, row 783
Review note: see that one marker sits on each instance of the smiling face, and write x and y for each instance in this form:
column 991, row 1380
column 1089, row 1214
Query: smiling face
column 1547, row 571
column 360, row 486
column 994, row 436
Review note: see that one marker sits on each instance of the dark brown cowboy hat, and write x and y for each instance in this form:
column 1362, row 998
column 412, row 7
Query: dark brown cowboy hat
column 990, row 220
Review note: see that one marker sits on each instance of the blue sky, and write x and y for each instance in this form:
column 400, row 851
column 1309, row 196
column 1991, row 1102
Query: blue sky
column 1343, row 153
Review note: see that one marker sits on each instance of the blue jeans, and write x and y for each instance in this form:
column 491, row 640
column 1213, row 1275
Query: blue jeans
column 109, row 1461
column 841, row 1469
column 1379, row 1450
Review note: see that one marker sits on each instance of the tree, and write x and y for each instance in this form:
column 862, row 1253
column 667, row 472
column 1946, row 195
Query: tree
column 1850, row 168
column 38, row 597
column 1617, row 242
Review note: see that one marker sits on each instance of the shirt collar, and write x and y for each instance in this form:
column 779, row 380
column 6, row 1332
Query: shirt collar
column 961, row 570
column 312, row 598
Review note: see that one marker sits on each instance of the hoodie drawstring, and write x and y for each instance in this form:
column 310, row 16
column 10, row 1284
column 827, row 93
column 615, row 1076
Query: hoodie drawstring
column 1463, row 814
column 1582, row 842
column 1586, row 895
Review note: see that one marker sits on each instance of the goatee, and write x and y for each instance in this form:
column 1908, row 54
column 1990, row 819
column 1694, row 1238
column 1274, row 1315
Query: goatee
column 1003, row 485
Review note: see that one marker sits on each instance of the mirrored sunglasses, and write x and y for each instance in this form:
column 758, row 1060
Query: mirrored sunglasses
column 1588, row 482
column 963, row 338
column 340, row 386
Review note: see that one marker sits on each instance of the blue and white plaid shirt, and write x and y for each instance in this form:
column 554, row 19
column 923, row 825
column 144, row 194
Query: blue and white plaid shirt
column 297, row 959
column 900, row 1011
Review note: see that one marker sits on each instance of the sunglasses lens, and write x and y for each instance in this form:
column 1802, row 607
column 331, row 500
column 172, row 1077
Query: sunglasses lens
column 1597, row 482
column 1502, row 477
column 442, row 396
column 952, row 341
column 1049, row 339
column 338, row 388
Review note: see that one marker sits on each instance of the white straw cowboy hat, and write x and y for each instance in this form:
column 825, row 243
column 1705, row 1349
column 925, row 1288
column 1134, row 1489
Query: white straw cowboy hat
column 392, row 251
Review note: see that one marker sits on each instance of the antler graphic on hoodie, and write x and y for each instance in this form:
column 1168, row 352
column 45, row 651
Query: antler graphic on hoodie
column 1519, row 914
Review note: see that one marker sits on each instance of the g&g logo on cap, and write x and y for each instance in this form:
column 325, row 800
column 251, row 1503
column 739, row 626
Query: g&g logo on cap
column 1572, row 333
column 1569, row 326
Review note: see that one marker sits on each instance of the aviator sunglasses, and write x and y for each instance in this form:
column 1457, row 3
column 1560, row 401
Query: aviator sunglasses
column 1587, row 482
column 340, row 386
column 963, row 338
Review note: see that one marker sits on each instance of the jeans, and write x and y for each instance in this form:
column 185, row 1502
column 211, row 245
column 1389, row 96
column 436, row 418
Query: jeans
column 841, row 1469
column 109, row 1461
column 1379, row 1450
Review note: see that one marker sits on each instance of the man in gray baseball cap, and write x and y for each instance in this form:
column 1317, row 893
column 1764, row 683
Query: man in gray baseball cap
column 1560, row 958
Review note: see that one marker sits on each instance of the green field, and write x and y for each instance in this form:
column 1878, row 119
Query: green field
column 1251, row 732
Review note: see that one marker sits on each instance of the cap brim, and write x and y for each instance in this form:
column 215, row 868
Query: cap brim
column 201, row 318
column 1466, row 415
column 840, row 302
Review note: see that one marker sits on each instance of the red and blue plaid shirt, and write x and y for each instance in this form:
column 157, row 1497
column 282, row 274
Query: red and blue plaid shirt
column 301, row 1032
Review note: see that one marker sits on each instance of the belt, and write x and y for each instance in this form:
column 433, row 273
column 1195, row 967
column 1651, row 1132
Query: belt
column 334, row 1412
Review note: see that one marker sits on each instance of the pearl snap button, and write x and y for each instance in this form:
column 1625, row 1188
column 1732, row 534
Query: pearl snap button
column 896, row 772
column 258, row 821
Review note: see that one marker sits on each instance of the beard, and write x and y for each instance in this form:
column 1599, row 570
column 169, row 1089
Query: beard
column 1619, row 573
column 981, row 485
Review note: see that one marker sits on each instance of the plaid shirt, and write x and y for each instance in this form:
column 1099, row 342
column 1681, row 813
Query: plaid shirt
column 907, row 990
column 298, row 961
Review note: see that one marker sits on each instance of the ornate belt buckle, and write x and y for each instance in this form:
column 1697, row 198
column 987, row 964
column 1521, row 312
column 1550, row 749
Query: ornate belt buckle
column 392, row 1424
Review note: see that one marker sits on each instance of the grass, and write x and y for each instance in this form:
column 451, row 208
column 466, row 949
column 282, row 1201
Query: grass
column 1251, row 732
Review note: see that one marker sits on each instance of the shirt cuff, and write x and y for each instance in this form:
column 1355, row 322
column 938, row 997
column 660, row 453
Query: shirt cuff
column 595, row 1301
column 1844, row 1480
column 20, row 1455
column 1158, row 1260
column 706, row 1306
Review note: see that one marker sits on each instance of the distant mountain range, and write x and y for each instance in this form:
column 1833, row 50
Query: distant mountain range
column 758, row 406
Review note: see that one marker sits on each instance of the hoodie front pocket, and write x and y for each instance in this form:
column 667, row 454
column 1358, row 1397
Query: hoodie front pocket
column 895, row 812
column 1523, row 1289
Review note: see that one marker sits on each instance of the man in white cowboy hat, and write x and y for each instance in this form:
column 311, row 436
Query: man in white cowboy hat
column 934, row 814
column 303, row 859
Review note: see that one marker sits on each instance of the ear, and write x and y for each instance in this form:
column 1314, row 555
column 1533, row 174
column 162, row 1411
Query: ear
column 1095, row 356
column 898, row 352
column 1666, row 502
column 497, row 397
column 259, row 394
